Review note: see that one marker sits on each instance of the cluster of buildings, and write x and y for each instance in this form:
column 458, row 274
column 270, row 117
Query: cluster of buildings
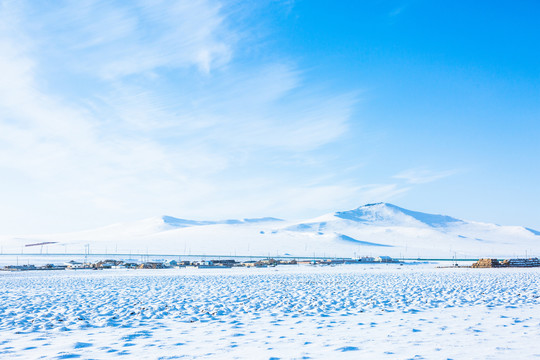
column 168, row 264
column 32, row 267
column 495, row 263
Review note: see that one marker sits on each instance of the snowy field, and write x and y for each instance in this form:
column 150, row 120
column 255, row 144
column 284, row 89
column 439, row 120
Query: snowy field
column 350, row 311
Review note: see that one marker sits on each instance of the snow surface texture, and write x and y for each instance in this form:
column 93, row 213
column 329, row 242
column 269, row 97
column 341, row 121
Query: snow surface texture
column 352, row 311
column 370, row 230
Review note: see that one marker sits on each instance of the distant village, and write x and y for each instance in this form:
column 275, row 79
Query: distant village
column 261, row 263
column 202, row 264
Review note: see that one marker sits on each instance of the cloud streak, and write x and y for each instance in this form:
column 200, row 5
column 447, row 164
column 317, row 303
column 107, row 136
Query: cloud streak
column 124, row 110
column 422, row 176
column 118, row 39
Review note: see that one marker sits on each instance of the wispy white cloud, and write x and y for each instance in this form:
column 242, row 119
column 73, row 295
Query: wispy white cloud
column 382, row 192
column 123, row 110
column 397, row 11
column 117, row 39
column 423, row 176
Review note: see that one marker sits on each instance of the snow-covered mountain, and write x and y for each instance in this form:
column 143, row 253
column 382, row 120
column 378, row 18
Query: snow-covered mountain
column 372, row 229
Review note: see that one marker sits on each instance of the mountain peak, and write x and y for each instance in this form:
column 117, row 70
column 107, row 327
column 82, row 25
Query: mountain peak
column 378, row 204
column 390, row 213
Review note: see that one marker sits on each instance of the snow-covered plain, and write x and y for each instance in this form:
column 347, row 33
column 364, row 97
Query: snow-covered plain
column 349, row 311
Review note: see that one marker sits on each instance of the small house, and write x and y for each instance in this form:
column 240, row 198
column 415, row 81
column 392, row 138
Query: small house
column 72, row 264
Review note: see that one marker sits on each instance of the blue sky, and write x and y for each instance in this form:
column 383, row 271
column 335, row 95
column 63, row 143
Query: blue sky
column 115, row 111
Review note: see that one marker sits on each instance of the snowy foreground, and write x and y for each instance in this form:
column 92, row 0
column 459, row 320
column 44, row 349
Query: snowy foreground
column 351, row 311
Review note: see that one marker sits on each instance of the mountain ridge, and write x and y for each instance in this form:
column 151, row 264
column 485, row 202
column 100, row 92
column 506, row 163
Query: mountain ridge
column 378, row 228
